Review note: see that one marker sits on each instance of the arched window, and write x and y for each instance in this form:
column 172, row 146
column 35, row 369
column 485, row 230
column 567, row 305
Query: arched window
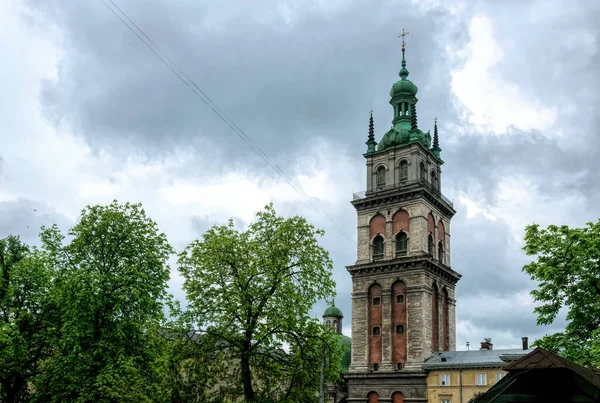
column 335, row 325
column 403, row 170
column 434, row 180
column 430, row 247
column 381, row 176
column 401, row 244
column 378, row 247
column 423, row 172
column 441, row 252
column 328, row 324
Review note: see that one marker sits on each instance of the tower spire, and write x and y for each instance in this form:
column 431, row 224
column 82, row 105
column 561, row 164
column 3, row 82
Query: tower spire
column 403, row 71
column 371, row 143
column 436, row 142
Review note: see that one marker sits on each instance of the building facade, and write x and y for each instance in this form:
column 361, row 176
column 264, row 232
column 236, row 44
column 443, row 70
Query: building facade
column 403, row 305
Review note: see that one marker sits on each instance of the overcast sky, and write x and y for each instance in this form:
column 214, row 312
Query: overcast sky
column 88, row 114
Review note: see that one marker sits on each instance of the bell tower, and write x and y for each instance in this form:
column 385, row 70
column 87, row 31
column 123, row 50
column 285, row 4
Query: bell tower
column 403, row 305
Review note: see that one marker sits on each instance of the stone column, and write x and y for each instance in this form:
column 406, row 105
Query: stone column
column 360, row 326
column 386, row 330
column 451, row 323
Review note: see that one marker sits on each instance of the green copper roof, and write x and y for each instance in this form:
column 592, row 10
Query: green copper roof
column 333, row 311
column 403, row 86
column 345, row 343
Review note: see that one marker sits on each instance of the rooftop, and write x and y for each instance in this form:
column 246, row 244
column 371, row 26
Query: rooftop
column 473, row 358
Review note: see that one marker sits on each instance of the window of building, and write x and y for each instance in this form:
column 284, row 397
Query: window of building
column 335, row 325
column 430, row 247
column 328, row 323
column 376, row 330
column 401, row 244
column 445, row 400
column 499, row 376
column 481, row 379
column 423, row 172
column 378, row 247
column 445, row 379
column 376, row 300
column 400, row 298
column 399, row 366
column 399, row 329
column 375, row 367
column 403, row 171
column 433, row 180
column 441, row 252
column 381, row 176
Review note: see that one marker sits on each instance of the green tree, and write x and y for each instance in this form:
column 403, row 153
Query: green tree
column 567, row 269
column 251, row 292
column 27, row 321
column 111, row 281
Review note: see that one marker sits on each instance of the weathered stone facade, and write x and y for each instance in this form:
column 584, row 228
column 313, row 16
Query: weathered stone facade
column 424, row 266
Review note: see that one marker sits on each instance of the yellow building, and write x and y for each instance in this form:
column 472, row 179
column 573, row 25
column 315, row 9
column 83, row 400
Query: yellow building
column 457, row 376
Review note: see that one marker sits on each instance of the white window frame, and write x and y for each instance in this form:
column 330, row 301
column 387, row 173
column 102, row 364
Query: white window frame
column 444, row 379
column 483, row 381
column 499, row 376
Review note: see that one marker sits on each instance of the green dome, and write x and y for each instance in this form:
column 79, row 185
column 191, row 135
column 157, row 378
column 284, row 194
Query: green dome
column 345, row 343
column 404, row 86
column 333, row 311
column 402, row 134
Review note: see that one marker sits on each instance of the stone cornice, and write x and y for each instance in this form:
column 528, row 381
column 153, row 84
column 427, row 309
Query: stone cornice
column 400, row 195
column 405, row 265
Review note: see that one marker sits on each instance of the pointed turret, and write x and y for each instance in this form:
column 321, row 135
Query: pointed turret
column 436, row 142
column 371, row 143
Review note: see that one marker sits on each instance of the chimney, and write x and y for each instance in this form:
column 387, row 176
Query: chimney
column 486, row 344
column 525, row 341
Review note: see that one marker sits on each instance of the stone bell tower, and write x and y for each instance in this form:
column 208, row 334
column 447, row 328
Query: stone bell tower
column 403, row 305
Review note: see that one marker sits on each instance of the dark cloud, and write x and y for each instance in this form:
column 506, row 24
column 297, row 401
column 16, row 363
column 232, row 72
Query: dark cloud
column 283, row 84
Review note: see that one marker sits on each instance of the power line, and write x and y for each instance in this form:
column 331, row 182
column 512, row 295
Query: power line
column 167, row 61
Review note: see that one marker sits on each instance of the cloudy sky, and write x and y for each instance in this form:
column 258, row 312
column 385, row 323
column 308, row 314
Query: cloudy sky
column 89, row 114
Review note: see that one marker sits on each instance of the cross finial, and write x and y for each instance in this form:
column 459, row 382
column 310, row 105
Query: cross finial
column 435, row 120
column 402, row 35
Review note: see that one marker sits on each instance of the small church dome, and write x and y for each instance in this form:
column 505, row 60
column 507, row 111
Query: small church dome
column 333, row 311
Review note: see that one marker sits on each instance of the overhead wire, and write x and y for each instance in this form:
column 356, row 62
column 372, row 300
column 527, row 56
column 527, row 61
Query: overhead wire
column 191, row 84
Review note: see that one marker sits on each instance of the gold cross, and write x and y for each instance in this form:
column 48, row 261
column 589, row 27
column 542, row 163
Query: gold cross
column 402, row 35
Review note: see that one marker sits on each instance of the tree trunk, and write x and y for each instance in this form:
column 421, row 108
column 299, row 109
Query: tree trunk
column 247, row 374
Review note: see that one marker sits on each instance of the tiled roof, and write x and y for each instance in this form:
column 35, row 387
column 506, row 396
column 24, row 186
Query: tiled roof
column 473, row 358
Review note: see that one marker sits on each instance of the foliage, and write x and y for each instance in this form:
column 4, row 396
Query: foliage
column 26, row 321
column 567, row 269
column 110, row 285
column 252, row 292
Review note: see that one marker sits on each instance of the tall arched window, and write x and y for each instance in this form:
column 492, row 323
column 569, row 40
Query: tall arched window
column 430, row 246
column 328, row 324
column 401, row 244
column 423, row 175
column 403, row 171
column 378, row 247
column 441, row 252
column 381, row 176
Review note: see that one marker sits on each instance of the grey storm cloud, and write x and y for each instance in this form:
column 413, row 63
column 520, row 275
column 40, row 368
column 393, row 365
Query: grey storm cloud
column 288, row 81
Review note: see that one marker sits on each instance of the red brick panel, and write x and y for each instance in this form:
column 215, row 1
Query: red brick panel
column 373, row 397
column 430, row 224
column 375, row 320
column 398, row 397
column 377, row 225
column 399, row 318
column 400, row 222
column 441, row 233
